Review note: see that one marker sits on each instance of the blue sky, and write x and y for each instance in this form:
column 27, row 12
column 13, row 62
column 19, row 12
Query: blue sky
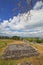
column 14, row 18
column 10, row 8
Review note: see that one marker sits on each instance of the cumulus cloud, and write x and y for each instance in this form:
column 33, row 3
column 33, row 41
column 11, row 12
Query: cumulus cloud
column 38, row 5
column 25, row 24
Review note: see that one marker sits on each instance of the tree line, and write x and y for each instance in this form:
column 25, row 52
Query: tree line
column 13, row 37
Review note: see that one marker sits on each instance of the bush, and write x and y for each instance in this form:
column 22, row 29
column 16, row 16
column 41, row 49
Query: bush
column 5, row 44
column 37, row 40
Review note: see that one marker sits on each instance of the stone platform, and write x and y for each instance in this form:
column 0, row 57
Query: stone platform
column 16, row 51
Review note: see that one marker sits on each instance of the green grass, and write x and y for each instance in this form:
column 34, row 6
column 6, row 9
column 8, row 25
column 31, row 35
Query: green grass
column 33, row 60
column 8, row 62
column 3, row 45
column 5, row 42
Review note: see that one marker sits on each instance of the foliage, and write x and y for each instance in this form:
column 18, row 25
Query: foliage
column 16, row 38
column 13, row 37
column 37, row 40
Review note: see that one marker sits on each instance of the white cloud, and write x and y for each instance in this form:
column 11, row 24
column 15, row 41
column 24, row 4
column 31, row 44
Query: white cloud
column 4, row 23
column 38, row 5
column 22, row 25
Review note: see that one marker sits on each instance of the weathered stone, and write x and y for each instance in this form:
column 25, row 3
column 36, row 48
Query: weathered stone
column 15, row 51
column 25, row 63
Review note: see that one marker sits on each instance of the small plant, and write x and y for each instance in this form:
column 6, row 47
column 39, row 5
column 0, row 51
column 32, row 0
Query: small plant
column 5, row 44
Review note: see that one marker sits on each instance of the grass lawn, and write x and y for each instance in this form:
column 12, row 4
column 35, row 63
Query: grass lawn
column 34, row 60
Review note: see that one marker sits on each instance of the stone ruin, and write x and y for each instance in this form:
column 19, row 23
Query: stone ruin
column 25, row 63
column 16, row 51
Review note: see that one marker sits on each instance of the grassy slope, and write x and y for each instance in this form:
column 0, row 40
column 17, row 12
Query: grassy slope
column 34, row 60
